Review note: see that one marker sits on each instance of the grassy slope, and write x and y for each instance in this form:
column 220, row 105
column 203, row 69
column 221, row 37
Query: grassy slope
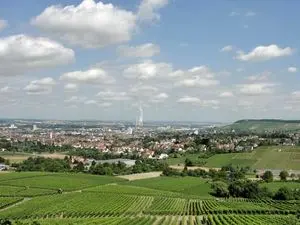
column 183, row 185
column 274, row 157
column 274, row 186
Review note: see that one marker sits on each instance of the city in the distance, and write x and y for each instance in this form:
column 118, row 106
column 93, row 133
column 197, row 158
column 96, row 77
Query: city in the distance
column 149, row 112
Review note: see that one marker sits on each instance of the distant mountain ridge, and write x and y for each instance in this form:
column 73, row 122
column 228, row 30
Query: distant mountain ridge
column 262, row 125
column 267, row 120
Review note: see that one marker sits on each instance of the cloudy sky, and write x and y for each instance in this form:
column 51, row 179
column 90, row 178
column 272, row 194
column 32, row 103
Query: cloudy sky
column 193, row 60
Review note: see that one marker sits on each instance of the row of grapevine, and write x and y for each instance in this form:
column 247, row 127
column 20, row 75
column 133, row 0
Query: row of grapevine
column 248, row 220
column 7, row 201
column 143, row 220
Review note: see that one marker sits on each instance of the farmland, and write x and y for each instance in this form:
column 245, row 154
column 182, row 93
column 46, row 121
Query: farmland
column 18, row 157
column 91, row 199
column 273, row 157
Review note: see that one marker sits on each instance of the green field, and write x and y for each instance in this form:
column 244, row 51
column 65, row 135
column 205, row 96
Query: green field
column 56, row 181
column 274, row 186
column 273, row 157
column 183, row 185
column 89, row 199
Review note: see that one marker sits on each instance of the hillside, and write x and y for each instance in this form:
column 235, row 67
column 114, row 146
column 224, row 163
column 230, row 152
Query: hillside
column 264, row 125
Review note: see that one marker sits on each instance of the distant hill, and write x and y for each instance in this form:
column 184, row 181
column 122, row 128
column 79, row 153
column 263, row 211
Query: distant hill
column 264, row 125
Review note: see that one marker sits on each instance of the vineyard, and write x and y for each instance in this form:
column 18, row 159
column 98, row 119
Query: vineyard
column 109, row 200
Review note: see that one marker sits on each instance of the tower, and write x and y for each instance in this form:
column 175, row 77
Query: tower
column 139, row 119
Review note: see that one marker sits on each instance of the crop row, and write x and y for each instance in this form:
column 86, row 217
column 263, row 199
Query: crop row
column 143, row 220
column 7, row 201
column 247, row 220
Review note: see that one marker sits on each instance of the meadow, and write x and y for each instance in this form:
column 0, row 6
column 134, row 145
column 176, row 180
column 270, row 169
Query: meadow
column 17, row 157
column 31, row 198
column 273, row 157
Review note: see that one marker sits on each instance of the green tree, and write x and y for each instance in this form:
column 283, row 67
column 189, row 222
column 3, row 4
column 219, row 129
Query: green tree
column 220, row 189
column 283, row 175
column 284, row 193
column 267, row 176
column 188, row 162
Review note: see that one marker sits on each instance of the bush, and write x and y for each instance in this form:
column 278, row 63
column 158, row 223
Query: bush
column 267, row 176
column 284, row 175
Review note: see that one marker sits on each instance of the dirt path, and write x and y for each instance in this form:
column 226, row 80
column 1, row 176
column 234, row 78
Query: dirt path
column 15, row 204
column 139, row 176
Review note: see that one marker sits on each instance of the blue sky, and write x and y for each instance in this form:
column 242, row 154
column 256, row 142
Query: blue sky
column 196, row 60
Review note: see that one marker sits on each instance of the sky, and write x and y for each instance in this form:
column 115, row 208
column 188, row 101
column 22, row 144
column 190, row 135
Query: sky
column 207, row 60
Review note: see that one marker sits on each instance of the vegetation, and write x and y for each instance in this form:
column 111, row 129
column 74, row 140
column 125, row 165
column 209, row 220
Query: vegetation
column 271, row 157
column 91, row 199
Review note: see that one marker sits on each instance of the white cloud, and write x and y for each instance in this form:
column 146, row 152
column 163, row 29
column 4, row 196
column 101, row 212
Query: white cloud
column 259, row 77
column 250, row 13
column 89, row 24
column 76, row 99
column 197, row 82
column 233, row 13
column 227, row 48
column 226, row 94
column 91, row 76
column 189, row 99
column 292, row 69
column 161, row 97
column 147, row 70
column 3, row 24
column 143, row 51
column 113, row 96
column 199, row 76
column 21, row 53
column 262, row 53
column 6, row 89
column 70, row 87
column 90, row 102
column 46, row 81
column 147, row 11
column 257, row 89
column 176, row 74
column 143, row 90
column 41, row 86
column 296, row 94
column 204, row 103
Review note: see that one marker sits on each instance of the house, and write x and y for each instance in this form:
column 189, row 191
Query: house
column 3, row 167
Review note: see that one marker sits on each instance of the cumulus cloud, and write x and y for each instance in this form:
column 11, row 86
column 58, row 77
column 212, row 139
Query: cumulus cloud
column 250, row 13
column 161, row 97
column 226, row 94
column 147, row 70
column 259, row 77
column 147, row 11
column 6, row 89
column 42, row 86
column 90, row 102
column 263, row 53
column 257, row 89
column 189, row 99
column 143, row 51
column 292, row 69
column 113, row 96
column 92, row 76
column 76, row 99
column 227, row 48
column 21, row 53
column 70, row 87
column 88, row 24
column 143, row 90
column 200, row 76
column 198, row 82
column 3, row 24
column 234, row 13
column 203, row 103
